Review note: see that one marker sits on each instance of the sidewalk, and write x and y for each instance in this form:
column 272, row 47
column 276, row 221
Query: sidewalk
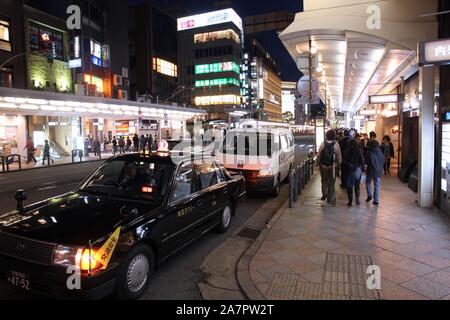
column 315, row 251
column 62, row 161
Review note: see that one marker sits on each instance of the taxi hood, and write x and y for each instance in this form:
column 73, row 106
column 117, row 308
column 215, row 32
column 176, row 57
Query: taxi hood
column 72, row 219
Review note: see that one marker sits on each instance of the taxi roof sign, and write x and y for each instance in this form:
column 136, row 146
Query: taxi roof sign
column 163, row 146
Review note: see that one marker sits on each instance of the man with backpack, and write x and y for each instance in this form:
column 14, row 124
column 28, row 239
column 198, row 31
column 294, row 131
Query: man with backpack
column 330, row 160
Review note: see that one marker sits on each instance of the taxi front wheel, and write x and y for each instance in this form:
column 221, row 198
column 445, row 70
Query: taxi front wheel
column 225, row 219
column 135, row 273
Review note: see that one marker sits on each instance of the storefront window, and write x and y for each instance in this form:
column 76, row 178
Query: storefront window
column 217, row 35
column 6, row 79
column 165, row 67
column 94, row 80
column 216, row 100
column 46, row 41
column 5, row 42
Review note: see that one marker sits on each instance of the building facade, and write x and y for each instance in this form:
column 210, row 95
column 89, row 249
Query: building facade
column 263, row 89
column 153, row 53
column 12, row 46
column 288, row 98
column 209, row 58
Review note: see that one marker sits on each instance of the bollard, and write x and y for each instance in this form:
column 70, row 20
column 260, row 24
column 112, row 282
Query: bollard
column 2, row 158
column 302, row 175
column 307, row 173
column 295, row 187
column 299, row 181
column 11, row 159
column 291, row 186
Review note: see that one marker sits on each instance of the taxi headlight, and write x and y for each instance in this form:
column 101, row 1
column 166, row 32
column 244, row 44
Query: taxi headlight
column 266, row 172
column 80, row 258
column 65, row 256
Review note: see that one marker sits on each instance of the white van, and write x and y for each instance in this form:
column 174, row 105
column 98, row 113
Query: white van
column 263, row 155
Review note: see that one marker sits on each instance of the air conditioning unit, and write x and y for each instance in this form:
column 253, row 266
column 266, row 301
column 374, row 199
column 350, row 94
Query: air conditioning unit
column 117, row 80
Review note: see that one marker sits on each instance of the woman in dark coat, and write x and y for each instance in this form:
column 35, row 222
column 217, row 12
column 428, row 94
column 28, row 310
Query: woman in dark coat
column 354, row 166
column 389, row 153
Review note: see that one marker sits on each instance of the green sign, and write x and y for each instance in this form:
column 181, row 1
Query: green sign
column 217, row 82
column 217, row 67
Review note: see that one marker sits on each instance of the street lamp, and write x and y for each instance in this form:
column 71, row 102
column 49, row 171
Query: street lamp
column 177, row 92
column 12, row 58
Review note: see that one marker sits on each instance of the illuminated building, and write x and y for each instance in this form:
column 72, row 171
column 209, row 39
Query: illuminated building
column 153, row 53
column 209, row 62
column 11, row 44
column 262, row 88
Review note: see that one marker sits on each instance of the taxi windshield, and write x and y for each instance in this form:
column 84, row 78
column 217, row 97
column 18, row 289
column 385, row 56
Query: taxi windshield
column 139, row 180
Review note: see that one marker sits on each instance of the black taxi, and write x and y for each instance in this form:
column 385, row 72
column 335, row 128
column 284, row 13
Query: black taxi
column 108, row 235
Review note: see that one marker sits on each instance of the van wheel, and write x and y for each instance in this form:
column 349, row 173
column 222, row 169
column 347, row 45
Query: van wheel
column 135, row 273
column 225, row 219
column 276, row 188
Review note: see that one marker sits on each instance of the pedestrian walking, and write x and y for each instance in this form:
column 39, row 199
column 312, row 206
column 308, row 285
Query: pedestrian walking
column 97, row 148
column 375, row 163
column 129, row 144
column 86, row 147
column 30, row 150
column 354, row 167
column 46, row 155
column 122, row 145
column 330, row 160
column 150, row 143
column 143, row 143
column 136, row 143
column 343, row 144
column 389, row 153
column 114, row 144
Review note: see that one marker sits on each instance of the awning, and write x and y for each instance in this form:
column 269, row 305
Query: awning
column 29, row 102
column 352, row 61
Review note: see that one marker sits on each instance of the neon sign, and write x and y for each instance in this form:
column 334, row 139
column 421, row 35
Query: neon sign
column 210, row 18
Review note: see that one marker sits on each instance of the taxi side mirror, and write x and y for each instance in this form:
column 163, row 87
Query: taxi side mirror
column 20, row 196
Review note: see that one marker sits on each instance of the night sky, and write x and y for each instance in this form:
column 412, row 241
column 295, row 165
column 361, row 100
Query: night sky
column 269, row 40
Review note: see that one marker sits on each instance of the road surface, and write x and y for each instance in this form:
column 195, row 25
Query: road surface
column 176, row 279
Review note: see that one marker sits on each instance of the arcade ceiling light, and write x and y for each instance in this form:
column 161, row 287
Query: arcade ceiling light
column 99, row 109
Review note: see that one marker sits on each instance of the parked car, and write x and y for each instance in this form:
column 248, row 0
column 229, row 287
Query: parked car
column 129, row 216
column 264, row 156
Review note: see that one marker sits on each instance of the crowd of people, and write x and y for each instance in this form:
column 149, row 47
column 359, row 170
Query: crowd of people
column 122, row 144
column 356, row 159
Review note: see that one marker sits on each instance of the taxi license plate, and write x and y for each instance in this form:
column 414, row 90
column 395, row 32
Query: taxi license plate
column 19, row 279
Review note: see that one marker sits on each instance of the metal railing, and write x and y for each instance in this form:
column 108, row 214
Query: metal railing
column 77, row 153
column 299, row 178
column 13, row 158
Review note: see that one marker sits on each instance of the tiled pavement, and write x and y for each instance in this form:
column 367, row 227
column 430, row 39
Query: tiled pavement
column 319, row 252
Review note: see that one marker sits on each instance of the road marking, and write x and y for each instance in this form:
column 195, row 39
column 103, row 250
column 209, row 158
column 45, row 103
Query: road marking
column 47, row 188
column 49, row 183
